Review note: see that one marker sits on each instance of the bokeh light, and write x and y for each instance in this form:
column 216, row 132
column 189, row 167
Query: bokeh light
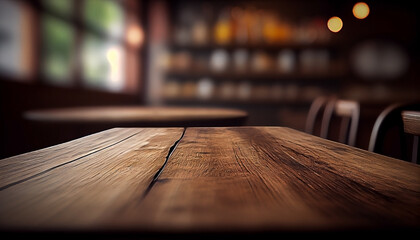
column 361, row 10
column 335, row 24
column 135, row 35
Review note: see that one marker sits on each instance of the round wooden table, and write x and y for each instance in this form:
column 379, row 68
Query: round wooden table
column 141, row 116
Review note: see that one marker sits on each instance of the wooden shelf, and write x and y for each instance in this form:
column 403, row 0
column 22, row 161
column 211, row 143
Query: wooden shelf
column 262, row 46
column 319, row 77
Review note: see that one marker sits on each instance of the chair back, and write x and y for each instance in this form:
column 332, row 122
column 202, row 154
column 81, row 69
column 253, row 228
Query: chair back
column 315, row 112
column 390, row 120
column 349, row 113
column 411, row 121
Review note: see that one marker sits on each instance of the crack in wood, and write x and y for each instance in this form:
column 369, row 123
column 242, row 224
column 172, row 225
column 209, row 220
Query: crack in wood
column 156, row 176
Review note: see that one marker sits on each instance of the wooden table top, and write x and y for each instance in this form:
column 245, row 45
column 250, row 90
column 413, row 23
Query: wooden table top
column 411, row 121
column 191, row 180
column 140, row 115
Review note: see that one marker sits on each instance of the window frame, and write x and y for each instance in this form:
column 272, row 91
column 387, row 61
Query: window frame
column 131, row 9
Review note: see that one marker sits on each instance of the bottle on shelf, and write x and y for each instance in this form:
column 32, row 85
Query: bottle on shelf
column 205, row 89
column 240, row 59
column 261, row 62
column 286, row 61
column 219, row 60
column 223, row 29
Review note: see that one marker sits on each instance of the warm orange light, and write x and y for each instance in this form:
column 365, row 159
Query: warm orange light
column 223, row 32
column 361, row 10
column 135, row 35
column 335, row 24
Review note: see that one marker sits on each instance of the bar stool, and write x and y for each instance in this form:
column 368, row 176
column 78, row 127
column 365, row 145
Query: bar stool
column 411, row 121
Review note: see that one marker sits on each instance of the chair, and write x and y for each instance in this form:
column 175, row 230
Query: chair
column 389, row 127
column 349, row 113
column 315, row 112
column 411, row 121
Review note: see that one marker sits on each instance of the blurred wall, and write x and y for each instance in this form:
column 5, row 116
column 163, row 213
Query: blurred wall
column 201, row 53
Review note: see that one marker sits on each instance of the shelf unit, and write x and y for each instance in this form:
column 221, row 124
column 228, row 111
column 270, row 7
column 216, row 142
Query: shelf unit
column 260, row 46
column 301, row 82
column 263, row 86
column 269, row 76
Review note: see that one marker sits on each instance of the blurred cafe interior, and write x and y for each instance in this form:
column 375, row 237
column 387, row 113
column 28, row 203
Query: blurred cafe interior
column 271, row 59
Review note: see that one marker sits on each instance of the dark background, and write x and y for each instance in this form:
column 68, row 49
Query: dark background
column 392, row 22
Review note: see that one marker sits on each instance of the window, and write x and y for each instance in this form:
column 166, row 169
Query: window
column 57, row 50
column 105, row 15
column 103, row 59
column 83, row 43
column 99, row 40
column 103, row 63
column 64, row 7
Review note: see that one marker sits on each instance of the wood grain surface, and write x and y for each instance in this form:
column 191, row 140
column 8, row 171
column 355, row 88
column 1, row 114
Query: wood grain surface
column 411, row 121
column 77, row 184
column 236, row 179
column 268, row 178
column 16, row 169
